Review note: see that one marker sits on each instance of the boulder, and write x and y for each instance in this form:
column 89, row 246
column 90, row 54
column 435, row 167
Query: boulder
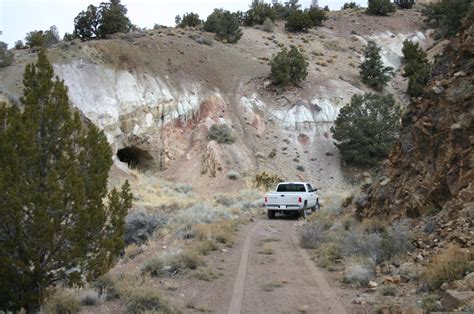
column 453, row 299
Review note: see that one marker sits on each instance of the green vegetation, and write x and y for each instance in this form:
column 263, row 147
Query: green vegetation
column 317, row 16
column 19, row 44
column 447, row 16
column 298, row 21
column 372, row 70
column 6, row 57
column 225, row 25
column 380, row 7
column 350, row 5
column 447, row 266
column 366, row 129
column 188, row 20
column 42, row 38
column 289, row 67
column 266, row 181
column 99, row 22
column 405, row 4
column 221, row 133
column 53, row 182
column 258, row 13
column 417, row 68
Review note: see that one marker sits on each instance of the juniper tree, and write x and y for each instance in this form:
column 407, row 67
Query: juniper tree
column 372, row 70
column 225, row 25
column 416, row 68
column 55, row 226
column 289, row 67
column 366, row 129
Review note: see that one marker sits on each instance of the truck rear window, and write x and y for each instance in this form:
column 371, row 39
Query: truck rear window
column 291, row 188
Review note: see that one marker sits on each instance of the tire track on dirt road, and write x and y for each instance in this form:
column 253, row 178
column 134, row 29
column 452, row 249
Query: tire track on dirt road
column 276, row 276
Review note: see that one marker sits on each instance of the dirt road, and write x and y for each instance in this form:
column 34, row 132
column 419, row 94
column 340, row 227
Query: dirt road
column 266, row 272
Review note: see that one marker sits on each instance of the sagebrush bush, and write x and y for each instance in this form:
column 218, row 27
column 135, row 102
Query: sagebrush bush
column 314, row 233
column 233, row 175
column 172, row 264
column 205, row 274
column 183, row 188
column 89, row 298
column 359, row 272
column 448, row 265
column 146, row 298
column 365, row 245
column 221, row 133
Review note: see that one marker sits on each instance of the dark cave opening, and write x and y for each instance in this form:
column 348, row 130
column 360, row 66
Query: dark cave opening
column 135, row 157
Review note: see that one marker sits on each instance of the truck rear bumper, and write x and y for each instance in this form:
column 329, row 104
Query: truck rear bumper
column 283, row 208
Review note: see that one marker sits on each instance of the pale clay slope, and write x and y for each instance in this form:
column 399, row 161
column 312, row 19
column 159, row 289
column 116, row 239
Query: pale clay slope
column 161, row 109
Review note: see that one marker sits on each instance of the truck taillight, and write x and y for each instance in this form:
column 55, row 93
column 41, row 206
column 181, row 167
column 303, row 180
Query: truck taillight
column 266, row 199
column 299, row 199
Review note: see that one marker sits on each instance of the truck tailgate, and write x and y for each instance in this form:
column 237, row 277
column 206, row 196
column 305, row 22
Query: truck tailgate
column 283, row 199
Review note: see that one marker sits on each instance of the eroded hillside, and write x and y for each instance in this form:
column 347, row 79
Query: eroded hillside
column 157, row 93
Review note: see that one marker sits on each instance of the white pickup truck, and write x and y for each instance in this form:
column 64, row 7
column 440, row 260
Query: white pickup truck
column 292, row 198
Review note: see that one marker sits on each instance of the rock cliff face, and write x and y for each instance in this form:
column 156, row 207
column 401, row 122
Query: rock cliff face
column 430, row 168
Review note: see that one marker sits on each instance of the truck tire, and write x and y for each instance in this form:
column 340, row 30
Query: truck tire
column 303, row 211
column 316, row 207
column 271, row 214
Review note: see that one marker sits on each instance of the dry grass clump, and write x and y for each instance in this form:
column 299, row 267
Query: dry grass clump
column 205, row 274
column 168, row 265
column 447, row 266
column 274, row 284
column 62, row 301
column 266, row 250
column 220, row 231
column 132, row 251
column 206, row 247
column 328, row 254
column 359, row 271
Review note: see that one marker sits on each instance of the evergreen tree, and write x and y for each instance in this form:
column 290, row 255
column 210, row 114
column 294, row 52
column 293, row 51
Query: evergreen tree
column 372, row 70
column 289, row 67
column 113, row 18
column 225, row 25
column 380, row 7
column 6, row 57
column 257, row 14
column 188, row 20
column 86, row 24
column 417, row 68
column 97, row 23
column 366, row 129
column 55, row 226
column 298, row 21
column 447, row 15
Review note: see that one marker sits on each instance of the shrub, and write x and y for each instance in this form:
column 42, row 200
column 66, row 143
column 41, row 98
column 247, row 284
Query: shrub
column 205, row 274
column 404, row 4
column 233, row 175
column 389, row 291
column 131, row 251
column 145, row 298
column 350, row 5
column 417, row 68
column 372, row 70
column 140, row 225
column 447, row 15
column 366, row 129
column 183, row 188
column 300, row 168
column 328, row 254
column 359, row 272
column 316, row 232
column 225, row 25
column 6, row 57
column 448, row 265
column 364, row 245
column 221, row 133
column 268, row 26
column 221, row 232
column 259, row 12
column 62, row 302
column 397, row 240
column 266, row 180
column 89, row 297
column 289, row 67
column 380, row 7
column 298, row 21
column 165, row 265
column 190, row 20
column 19, row 44
column 206, row 247
column 317, row 16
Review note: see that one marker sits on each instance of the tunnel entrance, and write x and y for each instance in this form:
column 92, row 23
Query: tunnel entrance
column 135, row 157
